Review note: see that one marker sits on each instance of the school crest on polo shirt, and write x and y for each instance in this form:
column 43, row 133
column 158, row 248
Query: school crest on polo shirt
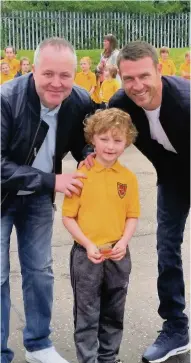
column 121, row 188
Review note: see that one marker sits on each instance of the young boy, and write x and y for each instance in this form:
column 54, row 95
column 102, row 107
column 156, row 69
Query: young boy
column 86, row 78
column 110, row 85
column 168, row 66
column 6, row 74
column 185, row 67
column 102, row 220
column 9, row 58
column 25, row 66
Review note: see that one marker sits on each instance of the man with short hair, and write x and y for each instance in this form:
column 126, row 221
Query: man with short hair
column 42, row 120
column 159, row 108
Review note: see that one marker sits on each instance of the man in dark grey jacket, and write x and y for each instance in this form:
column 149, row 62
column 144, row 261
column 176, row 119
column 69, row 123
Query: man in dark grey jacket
column 160, row 110
column 41, row 120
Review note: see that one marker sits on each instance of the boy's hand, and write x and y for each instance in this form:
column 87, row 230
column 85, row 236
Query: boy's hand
column 118, row 251
column 94, row 254
column 88, row 162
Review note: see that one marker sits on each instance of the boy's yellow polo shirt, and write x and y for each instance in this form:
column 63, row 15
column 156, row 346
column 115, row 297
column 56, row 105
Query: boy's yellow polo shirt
column 108, row 88
column 5, row 77
column 109, row 196
column 14, row 65
column 86, row 80
column 168, row 67
column 185, row 67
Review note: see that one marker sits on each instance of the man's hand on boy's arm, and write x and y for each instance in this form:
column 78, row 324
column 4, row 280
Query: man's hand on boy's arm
column 93, row 252
column 69, row 183
column 119, row 250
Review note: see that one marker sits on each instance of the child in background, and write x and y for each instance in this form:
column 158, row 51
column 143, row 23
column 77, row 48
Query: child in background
column 25, row 67
column 86, row 78
column 110, row 85
column 6, row 74
column 168, row 66
column 9, row 58
column 96, row 94
column 102, row 220
column 185, row 67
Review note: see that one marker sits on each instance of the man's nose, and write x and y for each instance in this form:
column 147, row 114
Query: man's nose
column 137, row 85
column 56, row 81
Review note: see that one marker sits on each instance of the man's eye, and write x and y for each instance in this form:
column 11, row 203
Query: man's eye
column 117, row 140
column 48, row 74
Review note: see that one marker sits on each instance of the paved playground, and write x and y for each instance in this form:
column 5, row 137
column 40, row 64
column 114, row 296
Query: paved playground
column 141, row 319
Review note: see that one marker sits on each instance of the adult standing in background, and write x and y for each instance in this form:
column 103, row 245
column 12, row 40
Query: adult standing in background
column 160, row 110
column 42, row 117
column 109, row 55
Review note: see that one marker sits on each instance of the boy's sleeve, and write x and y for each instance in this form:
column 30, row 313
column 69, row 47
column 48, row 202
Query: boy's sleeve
column 71, row 206
column 117, row 86
column 133, row 204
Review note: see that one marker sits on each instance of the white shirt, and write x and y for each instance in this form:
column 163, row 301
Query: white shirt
column 156, row 130
column 44, row 158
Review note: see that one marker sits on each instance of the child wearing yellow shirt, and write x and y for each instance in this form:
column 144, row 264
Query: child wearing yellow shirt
column 9, row 58
column 185, row 67
column 110, row 85
column 86, row 78
column 168, row 67
column 25, row 67
column 6, row 74
column 102, row 220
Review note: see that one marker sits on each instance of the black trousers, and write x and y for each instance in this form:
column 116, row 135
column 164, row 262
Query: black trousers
column 99, row 301
column 172, row 212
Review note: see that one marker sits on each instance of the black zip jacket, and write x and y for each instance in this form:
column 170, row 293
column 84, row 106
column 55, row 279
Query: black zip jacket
column 175, row 120
column 23, row 132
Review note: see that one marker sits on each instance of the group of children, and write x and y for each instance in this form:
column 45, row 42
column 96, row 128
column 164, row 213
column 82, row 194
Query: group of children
column 12, row 67
column 100, row 87
column 168, row 67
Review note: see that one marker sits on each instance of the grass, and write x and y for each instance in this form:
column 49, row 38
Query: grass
column 177, row 54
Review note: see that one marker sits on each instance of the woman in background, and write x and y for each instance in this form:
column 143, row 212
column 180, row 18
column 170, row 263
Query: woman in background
column 109, row 55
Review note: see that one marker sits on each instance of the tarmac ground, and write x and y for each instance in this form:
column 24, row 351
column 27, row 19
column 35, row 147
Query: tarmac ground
column 141, row 319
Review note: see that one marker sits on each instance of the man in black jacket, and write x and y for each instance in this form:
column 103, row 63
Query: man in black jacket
column 42, row 119
column 159, row 108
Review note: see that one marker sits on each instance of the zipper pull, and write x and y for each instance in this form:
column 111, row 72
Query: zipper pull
column 35, row 152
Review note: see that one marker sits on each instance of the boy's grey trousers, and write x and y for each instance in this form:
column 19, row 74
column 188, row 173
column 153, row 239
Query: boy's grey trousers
column 99, row 301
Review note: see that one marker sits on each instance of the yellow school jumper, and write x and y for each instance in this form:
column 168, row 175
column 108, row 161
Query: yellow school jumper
column 109, row 196
column 6, row 77
column 14, row 65
column 168, row 67
column 185, row 67
column 108, row 88
column 96, row 94
column 86, row 80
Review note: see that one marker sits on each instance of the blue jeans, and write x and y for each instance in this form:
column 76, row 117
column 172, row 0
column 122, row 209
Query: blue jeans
column 32, row 216
column 172, row 212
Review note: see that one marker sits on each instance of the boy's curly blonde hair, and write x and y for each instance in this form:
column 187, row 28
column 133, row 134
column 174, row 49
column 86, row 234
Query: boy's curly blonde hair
column 110, row 119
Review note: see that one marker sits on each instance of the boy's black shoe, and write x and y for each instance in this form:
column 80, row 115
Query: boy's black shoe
column 119, row 361
column 168, row 344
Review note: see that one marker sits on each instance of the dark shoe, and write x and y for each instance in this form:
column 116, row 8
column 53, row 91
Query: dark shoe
column 119, row 361
column 168, row 344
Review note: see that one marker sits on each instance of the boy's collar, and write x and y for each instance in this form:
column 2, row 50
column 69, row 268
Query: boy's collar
column 99, row 167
